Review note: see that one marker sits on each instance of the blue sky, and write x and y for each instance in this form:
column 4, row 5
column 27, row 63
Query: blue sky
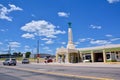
column 23, row 22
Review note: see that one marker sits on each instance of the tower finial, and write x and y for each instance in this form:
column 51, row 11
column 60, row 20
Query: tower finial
column 69, row 24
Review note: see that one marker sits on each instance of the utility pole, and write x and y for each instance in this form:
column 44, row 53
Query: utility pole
column 38, row 55
column 38, row 47
column 9, row 51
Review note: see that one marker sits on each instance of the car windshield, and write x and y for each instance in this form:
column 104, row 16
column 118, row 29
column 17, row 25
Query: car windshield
column 13, row 59
column 7, row 59
column 25, row 59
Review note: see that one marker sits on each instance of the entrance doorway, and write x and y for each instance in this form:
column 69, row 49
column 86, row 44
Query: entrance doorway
column 98, row 57
column 74, row 58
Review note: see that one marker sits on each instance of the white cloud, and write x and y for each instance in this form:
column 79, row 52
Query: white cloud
column 13, row 8
column 95, row 27
column 77, row 43
column 3, row 30
column 108, row 35
column 44, row 39
column 57, row 26
column 59, row 32
column 100, row 42
column 14, row 44
column 34, row 50
column 28, row 35
column 85, row 39
column 33, row 15
column 42, row 28
column 27, row 48
column 46, row 48
column 63, row 43
column 115, row 39
column 1, row 43
column 4, row 11
column 49, row 42
column 49, row 50
column 82, row 40
column 42, row 44
column 113, row 1
column 63, row 14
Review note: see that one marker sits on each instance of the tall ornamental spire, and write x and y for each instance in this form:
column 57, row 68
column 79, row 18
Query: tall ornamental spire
column 70, row 38
column 69, row 24
column 69, row 33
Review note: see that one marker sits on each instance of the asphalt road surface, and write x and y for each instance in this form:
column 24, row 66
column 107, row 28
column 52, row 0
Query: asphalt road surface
column 85, row 72
column 14, row 74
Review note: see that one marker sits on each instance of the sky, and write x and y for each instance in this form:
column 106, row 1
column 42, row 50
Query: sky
column 24, row 22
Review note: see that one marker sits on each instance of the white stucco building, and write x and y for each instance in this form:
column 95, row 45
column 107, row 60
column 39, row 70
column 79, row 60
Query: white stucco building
column 70, row 54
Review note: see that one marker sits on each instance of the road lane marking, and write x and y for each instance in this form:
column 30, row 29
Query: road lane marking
column 59, row 74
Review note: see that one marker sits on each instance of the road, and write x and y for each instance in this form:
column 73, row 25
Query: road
column 62, row 72
column 14, row 74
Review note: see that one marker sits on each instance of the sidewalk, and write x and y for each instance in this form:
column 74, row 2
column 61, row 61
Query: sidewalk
column 82, row 64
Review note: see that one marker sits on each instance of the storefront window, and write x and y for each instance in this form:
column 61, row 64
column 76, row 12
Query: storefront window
column 108, row 56
column 88, row 56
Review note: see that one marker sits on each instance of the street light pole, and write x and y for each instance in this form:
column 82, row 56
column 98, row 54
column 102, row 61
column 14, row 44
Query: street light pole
column 38, row 47
column 38, row 51
column 9, row 51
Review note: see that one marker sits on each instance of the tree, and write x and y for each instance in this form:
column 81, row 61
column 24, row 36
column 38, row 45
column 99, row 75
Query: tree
column 19, row 54
column 27, row 54
column 15, row 54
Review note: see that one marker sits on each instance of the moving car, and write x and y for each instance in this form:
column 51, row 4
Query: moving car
column 10, row 61
column 25, row 61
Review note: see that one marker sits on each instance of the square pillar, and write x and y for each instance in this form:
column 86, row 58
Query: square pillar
column 104, row 56
column 92, row 56
column 67, row 58
column 78, row 57
column 81, row 57
column 63, row 58
column 56, row 57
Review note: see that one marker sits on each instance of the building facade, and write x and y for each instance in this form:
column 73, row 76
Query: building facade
column 107, row 53
column 70, row 54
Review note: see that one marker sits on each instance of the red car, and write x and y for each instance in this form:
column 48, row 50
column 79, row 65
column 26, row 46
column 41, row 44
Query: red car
column 48, row 61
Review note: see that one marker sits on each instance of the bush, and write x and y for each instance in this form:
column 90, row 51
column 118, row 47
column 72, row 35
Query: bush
column 111, row 61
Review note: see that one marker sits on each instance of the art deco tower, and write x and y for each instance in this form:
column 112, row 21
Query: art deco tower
column 70, row 38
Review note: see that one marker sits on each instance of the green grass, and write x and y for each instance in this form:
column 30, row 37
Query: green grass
column 111, row 61
column 31, row 59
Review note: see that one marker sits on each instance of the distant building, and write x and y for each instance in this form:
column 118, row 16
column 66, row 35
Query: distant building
column 42, row 55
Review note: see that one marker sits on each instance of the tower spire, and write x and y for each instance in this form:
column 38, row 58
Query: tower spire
column 70, row 38
column 69, row 24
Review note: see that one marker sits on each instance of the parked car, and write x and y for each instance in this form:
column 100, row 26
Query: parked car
column 25, row 61
column 48, row 60
column 10, row 61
